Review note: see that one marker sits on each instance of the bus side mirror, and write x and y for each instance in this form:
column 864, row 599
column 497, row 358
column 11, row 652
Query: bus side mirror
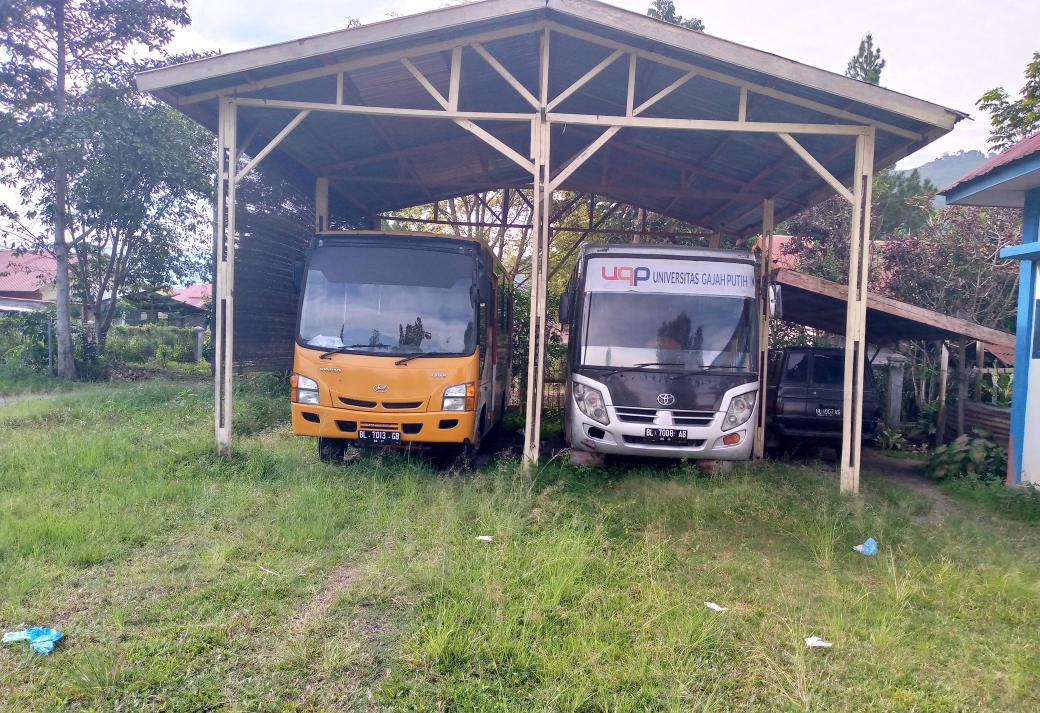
column 566, row 307
column 776, row 303
column 297, row 276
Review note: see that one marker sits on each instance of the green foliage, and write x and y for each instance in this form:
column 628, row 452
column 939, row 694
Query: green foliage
column 999, row 388
column 157, row 343
column 665, row 10
column 924, row 426
column 1012, row 121
column 867, row 64
column 890, row 440
column 967, row 457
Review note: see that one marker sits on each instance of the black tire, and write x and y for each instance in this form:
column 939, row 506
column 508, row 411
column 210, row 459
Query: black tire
column 332, row 450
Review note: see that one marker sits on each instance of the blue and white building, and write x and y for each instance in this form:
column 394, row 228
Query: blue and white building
column 1012, row 179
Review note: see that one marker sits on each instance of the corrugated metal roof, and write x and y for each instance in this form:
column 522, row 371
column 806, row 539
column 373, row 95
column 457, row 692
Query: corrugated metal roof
column 709, row 178
column 1023, row 149
column 28, row 272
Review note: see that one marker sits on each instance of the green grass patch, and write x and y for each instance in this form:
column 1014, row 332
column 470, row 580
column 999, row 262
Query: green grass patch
column 1016, row 503
column 269, row 581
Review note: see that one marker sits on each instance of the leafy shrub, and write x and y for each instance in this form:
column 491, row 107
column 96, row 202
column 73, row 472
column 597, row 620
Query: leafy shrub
column 890, row 440
column 151, row 342
column 969, row 457
column 924, row 426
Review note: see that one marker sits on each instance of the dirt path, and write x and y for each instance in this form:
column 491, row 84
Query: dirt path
column 910, row 474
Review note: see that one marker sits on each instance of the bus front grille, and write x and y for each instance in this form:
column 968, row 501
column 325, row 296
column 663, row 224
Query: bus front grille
column 628, row 414
column 402, row 404
column 357, row 402
column 693, row 418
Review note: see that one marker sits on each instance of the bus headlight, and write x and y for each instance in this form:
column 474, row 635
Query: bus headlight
column 460, row 397
column 304, row 390
column 740, row 410
column 590, row 402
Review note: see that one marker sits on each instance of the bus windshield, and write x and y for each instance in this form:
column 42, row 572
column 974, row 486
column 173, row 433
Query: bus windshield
column 668, row 331
column 388, row 300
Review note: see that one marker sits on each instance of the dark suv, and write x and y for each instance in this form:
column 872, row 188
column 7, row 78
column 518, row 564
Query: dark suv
column 805, row 396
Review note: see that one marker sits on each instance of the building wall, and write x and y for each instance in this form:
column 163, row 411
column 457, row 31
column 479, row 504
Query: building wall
column 1031, row 442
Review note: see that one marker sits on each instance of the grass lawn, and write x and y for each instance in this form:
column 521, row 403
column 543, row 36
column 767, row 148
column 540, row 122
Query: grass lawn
column 272, row 582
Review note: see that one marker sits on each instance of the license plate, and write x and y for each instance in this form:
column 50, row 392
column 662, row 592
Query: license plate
column 379, row 437
column 666, row 435
column 828, row 412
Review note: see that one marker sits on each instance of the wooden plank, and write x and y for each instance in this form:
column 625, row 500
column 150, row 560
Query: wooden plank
column 165, row 77
column 751, row 127
column 903, row 310
column 576, row 162
column 384, row 111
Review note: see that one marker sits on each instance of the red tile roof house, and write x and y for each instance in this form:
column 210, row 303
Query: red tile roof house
column 26, row 281
column 195, row 295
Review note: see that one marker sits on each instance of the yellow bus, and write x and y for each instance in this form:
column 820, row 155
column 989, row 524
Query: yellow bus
column 403, row 340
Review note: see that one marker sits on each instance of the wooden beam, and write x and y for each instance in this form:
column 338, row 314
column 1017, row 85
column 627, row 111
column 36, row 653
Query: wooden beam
column 818, row 167
column 271, row 145
column 750, row 127
column 585, row 78
column 506, row 74
column 363, row 63
column 663, row 93
column 727, row 79
column 385, row 111
column 576, row 162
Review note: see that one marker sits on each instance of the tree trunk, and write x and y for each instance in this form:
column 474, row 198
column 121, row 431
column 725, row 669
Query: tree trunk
column 66, row 354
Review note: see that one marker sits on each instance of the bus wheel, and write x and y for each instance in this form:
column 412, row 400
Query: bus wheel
column 331, row 450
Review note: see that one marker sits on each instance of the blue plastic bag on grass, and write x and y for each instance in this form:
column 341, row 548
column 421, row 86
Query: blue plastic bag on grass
column 39, row 637
column 867, row 548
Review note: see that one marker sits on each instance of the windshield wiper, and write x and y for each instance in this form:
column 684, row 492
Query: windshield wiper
column 344, row 348
column 640, row 366
column 418, row 355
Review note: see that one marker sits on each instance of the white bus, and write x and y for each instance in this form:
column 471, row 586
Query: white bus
column 662, row 352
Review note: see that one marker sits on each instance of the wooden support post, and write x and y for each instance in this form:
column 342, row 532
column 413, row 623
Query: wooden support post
column 224, row 312
column 944, row 368
column 980, row 364
column 765, row 272
column 715, row 239
column 541, row 212
column 962, row 382
column 856, row 316
column 321, row 205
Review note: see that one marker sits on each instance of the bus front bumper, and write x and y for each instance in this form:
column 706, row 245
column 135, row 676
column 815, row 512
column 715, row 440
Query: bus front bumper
column 704, row 442
column 414, row 427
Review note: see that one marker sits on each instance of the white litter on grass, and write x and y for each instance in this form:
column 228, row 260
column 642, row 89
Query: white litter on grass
column 268, row 570
column 715, row 607
column 815, row 642
column 484, row 538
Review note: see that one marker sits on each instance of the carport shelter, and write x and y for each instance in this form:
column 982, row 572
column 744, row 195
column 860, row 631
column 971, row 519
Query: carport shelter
column 542, row 95
column 1012, row 179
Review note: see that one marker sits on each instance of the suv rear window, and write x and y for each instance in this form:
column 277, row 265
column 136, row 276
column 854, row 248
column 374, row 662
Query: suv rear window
column 829, row 369
column 797, row 369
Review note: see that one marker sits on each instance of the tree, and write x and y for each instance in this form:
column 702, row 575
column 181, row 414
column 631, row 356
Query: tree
column 953, row 265
column 665, row 10
column 821, row 234
column 867, row 64
column 50, row 53
column 1013, row 121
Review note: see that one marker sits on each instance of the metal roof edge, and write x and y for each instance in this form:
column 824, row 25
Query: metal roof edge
column 337, row 40
column 1014, row 169
column 760, row 61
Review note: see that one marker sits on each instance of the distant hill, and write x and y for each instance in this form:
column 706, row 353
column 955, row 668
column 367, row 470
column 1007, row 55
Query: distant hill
column 948, row 168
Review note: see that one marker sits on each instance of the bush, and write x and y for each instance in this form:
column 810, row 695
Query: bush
column 890, row 440
column 150, row 342
column 968, row 457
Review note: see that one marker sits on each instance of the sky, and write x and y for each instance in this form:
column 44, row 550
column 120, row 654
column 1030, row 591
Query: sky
column 947, row 52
